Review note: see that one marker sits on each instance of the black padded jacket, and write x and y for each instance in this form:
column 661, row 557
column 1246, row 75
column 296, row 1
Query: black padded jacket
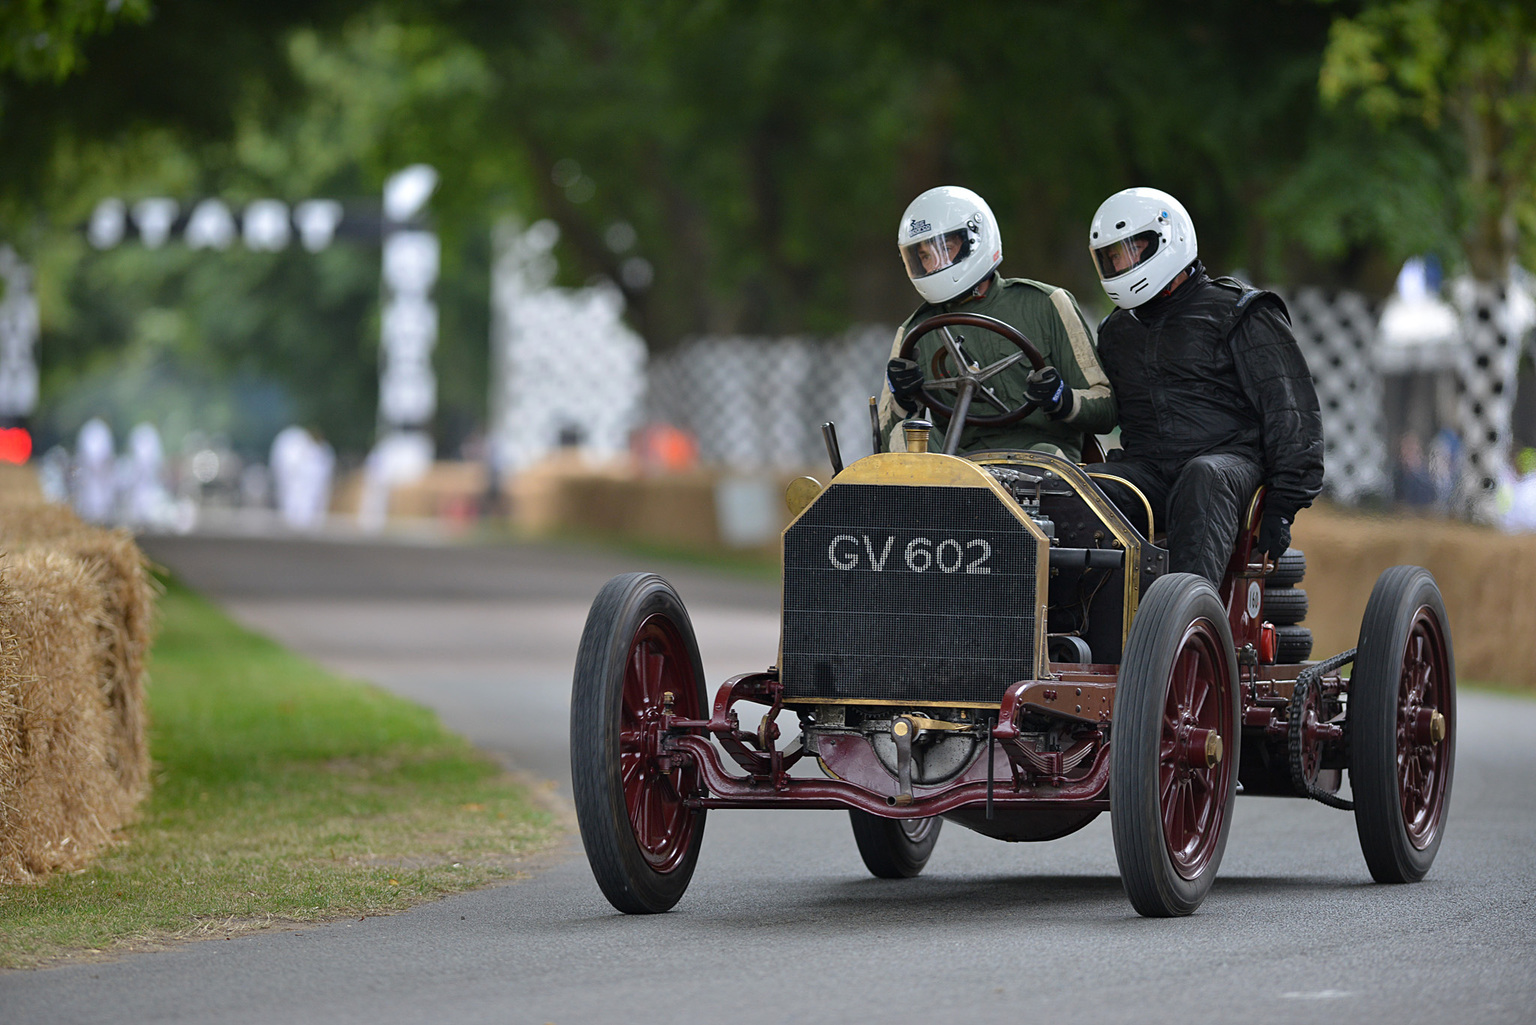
column 1213, row 367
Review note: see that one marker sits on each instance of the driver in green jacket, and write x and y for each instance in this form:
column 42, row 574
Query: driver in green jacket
column 951, row 246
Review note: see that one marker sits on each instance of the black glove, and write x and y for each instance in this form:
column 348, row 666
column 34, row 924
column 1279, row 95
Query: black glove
column 906, row 380
column 1274, row 534
column 1046, row 389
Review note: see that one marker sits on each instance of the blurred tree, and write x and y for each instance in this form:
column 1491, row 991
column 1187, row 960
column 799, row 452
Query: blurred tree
column 1469, row 65
column 42, row 38
column 735, row 167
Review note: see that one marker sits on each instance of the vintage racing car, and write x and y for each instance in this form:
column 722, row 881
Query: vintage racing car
column 988, row 640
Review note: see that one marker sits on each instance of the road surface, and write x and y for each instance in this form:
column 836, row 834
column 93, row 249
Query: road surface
column 782, row 923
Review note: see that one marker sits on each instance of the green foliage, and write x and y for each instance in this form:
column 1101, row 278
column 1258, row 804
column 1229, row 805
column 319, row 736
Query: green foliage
column 41, row 39
column 761, row 153
column 1471, row 63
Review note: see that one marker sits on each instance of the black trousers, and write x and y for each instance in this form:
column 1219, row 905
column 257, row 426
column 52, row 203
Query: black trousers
column 1200, row 503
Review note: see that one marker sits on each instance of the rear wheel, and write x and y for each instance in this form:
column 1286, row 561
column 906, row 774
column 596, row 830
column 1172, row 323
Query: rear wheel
column 641, row 838
column 1174, row 747
column 1402, row 725
column 894, row 848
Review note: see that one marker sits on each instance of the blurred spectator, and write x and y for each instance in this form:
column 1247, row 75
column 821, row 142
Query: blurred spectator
column 302, row 467
column 256, row 486
column 663, row 448
column 1415, row 484
column 146, row 502
column 1520, row 515
column 95, row 477
column 1445, row 468
column 53, row 474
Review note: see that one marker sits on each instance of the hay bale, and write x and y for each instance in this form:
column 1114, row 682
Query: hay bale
column 76, row 608
column 1485, row 576
column 66, row 795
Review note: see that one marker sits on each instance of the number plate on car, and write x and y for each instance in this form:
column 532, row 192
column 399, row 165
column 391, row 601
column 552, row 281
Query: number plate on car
column 895, row 592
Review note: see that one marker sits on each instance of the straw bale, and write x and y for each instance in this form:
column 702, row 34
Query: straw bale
column 76, row 611
column 18, row 484
column 66, row 796
column 120, row 569
column 1487, row 577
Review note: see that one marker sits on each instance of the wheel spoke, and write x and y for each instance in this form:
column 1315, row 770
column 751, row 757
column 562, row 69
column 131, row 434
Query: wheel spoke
column 1193, row 821
column 630, row 766
column 993, row 369
column 1172, row 806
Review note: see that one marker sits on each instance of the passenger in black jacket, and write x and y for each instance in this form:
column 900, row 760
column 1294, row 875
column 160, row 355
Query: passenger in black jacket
column 1214, row 396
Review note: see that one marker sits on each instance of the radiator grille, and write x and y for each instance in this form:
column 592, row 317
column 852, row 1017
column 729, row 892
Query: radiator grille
column 895, row 592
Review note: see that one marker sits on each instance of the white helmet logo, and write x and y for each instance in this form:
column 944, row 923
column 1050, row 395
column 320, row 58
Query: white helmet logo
column 917, row 227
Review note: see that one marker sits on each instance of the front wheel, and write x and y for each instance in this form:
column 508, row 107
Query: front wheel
column 1402, row 725
column 1174, row 747
column 641, row 839
column 894, row 848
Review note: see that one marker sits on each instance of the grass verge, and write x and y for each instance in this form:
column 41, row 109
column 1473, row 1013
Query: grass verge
column 281, row 793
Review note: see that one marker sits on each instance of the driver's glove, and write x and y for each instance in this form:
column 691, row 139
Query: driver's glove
column 1046, row 389
column 906, row 380
column 1274, row 534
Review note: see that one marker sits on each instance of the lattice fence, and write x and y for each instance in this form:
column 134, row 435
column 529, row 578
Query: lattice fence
column 1337, row 333
column 1495, row 321
column 759, row 403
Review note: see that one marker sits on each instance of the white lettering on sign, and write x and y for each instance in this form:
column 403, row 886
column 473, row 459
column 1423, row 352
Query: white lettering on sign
column 885, row 553
column 920, row 554
column 951, row 565
column 919, row 558
column 844, row 562
column 976, row 564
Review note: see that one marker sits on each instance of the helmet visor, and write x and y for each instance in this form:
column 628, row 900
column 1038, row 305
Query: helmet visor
column 936, row 253
column 1122, row 257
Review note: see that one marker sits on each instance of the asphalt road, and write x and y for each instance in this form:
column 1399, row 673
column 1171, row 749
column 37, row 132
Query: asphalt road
column 782, row 924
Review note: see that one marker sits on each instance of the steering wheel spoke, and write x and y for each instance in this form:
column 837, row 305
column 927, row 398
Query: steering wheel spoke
column 983, row 392
column 993, row 369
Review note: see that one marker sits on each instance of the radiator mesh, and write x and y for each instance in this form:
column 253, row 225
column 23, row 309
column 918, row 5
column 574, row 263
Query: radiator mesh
column 895, row 592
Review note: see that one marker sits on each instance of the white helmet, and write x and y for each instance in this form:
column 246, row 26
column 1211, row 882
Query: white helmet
column 1140, row 239
column 949, row 242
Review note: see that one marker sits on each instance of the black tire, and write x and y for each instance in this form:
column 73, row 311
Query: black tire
column 894, row 848
column 1289, row 569
column 1180, row 646
column 1285, row 606
column 1292, row 644
column 633, row 614
column 1405, row 672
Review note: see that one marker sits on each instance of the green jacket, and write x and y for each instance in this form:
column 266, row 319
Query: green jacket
column 1050, row 318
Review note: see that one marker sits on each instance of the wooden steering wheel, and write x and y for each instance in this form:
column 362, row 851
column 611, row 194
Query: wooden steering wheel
column 969, row 382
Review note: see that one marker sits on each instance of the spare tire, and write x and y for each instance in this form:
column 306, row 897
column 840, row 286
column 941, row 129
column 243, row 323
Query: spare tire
column 1285, row 605
column 1289, row 569
column 1292, row 644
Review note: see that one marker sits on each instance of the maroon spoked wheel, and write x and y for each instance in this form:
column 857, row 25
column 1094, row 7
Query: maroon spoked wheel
column 1192, row 785
column 1174, row 746
column 1402, row 724
column 658, row 665
column 641, row 838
